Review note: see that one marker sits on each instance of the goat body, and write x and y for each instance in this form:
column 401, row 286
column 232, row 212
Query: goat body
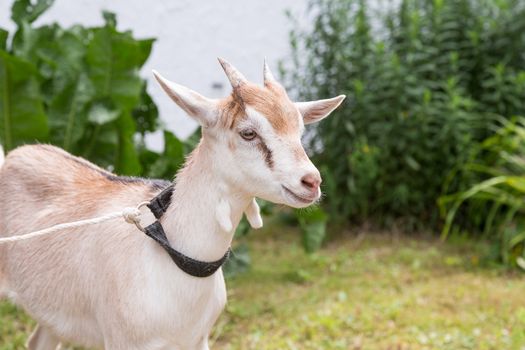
column 104, row 286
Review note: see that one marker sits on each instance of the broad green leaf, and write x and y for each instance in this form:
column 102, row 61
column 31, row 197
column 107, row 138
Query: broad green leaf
column 100, row 113
column 517, row 183
column 28, row 40
column 22, row 117
column 145, row 47
column 146, row 113
column 113, row 59
column 168, row 163
column 463, row 196
column 158, row 167
column 171, row 158
column 66, row 56
column 68, row 114
column 100, row 144
column 173, row 150
column 127, row 162
column 68, row 91
column 517, row 239
column 28, row 11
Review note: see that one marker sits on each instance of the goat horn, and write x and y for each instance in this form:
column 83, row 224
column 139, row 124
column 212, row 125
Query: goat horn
column 268, row 76
column 235, row 77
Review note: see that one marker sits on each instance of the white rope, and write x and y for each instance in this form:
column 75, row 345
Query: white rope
column 130, row 215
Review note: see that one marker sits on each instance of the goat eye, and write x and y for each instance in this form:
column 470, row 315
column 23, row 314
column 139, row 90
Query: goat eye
column 248, row 134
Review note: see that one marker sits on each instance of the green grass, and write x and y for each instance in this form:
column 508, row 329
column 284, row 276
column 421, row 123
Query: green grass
column 372, row 291
column 14, row 327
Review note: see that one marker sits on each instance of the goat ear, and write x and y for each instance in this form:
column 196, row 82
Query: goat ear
column 314, row 111
column 202, row 109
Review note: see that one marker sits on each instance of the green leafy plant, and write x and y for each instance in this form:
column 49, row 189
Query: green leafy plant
column 312, row 222
column 425, row 81
column 492, row 201
column 77, row 88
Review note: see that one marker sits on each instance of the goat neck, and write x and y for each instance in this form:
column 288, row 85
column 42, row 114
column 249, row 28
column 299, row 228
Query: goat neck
column 204, row 199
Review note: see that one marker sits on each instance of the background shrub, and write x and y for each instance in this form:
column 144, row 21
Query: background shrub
column 425, row 80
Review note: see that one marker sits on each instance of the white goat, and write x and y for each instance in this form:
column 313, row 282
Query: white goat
column 110, row 286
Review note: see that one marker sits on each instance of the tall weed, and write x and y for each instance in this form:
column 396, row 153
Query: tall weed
column 492, row 202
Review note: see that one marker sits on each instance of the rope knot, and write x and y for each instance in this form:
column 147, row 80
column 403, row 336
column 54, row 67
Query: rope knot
column 131, row 215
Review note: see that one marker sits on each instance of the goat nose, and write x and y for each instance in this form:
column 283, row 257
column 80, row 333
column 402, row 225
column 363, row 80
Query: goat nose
column 311, row 181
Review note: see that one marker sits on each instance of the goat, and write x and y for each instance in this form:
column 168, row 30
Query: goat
column 109, row 286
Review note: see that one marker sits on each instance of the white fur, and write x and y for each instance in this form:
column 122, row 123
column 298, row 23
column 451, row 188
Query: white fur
column 253, row 214
column 222, row 213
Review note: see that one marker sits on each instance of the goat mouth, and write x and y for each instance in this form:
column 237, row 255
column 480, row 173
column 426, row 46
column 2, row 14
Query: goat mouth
column 297, row 197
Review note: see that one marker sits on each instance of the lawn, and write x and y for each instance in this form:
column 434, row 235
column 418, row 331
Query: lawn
column 366, row 291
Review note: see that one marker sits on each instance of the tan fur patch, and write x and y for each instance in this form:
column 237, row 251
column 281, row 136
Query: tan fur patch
column 78, row 180
column 274, row 104
column 232, row 111
column 271, row 101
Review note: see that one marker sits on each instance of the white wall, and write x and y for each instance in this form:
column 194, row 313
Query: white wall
column 191, row 34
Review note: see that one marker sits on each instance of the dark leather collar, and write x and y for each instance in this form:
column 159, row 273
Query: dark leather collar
column 196, row 268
